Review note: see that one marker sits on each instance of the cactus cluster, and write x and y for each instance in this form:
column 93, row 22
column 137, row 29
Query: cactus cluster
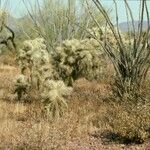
column 105, row 33
column 85, row 58
column 35, row 58
column 53, row 73
column 78, row 58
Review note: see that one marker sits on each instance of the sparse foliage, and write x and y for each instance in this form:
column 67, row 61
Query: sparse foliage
column 130, row 121
column 57, row 20
column 132, row 62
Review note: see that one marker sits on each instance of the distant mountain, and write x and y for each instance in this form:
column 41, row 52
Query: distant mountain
column 124, row 26
column 14, row 23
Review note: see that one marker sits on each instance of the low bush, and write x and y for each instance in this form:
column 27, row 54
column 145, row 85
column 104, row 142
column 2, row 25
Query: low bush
column 130, row 121
column 53, row 96
column 21, row 86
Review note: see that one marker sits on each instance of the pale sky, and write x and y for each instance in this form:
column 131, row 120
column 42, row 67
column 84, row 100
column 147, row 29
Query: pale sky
column 18, row 9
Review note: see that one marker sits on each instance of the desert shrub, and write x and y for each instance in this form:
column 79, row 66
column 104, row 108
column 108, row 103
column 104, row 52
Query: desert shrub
column 131, row 61
column 35, row 58
column 53, row 96
column 79, row 58
column 21, row 86
column 130, row 121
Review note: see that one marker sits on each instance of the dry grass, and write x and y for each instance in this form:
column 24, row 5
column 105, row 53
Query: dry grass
column 9, row 58
column 25, row 127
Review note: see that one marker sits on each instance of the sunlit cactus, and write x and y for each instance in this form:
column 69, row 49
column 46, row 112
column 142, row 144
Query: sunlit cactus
column 78, row 58
column 104, row 34
column 21, row 86
column 53, row 95
column 33, row 57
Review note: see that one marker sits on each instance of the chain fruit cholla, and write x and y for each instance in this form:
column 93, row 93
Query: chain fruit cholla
column 35, row 58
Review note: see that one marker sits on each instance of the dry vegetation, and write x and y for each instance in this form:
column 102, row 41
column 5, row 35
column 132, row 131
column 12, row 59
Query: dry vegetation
column 25, row 126
column 77, row 85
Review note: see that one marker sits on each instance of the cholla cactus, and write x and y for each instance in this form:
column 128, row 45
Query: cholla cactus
column 34, row 53
column 34, row 57
column 105, row 34
column 21, row 86
column 53, row 96
column 76, row 58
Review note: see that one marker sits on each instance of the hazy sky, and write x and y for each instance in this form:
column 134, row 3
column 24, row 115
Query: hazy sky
column 18, row 9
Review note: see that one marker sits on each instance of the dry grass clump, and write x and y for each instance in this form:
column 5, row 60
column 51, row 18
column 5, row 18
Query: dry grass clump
column 23, row 126
column 7, row 75
column 130, row 122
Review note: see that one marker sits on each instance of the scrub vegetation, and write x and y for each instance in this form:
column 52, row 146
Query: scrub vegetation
column 71, row 79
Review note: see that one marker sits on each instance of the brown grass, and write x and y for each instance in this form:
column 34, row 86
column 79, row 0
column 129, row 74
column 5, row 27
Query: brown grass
column 8, row 58
column 23, row 126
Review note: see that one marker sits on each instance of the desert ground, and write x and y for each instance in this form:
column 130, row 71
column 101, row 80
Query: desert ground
column 23, row 125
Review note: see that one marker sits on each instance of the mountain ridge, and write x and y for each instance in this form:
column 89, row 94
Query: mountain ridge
column 123, row 26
